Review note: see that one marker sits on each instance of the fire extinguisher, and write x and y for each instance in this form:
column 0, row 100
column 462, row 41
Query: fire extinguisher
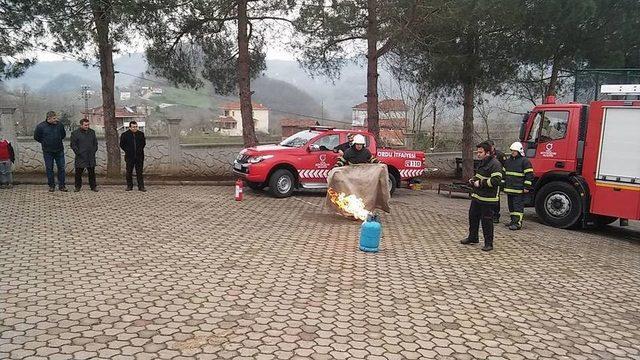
column 239, row 186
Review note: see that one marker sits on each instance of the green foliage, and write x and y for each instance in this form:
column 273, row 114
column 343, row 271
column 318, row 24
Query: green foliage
column 465, row 42
column 19, row 32
column 193, row 41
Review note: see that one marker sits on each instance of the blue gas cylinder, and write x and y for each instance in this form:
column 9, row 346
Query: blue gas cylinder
column 370, row 233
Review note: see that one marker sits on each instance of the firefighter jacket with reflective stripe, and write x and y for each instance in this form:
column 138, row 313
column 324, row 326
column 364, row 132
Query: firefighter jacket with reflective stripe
column 353, row 156
column 518, row 175
column 489, row 173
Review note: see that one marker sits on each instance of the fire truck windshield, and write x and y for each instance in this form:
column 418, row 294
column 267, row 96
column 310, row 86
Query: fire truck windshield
column 299, row 139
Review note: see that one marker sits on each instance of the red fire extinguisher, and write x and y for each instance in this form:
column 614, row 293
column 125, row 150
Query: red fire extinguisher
column 239, row 186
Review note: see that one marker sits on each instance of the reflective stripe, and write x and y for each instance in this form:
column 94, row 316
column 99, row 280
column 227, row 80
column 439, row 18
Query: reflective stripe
column 527, row 182
column 512, row 173
column 528, row 170
column 496, row 174
column 489, row 184
column 494, row 199
column 481, row 177
column 513, row 191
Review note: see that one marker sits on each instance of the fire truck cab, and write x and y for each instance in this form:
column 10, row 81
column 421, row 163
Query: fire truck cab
column 586, row 159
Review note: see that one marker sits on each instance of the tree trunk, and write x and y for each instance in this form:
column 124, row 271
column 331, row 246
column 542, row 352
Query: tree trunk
column 244, row 81
column 553, row 81
column 373, row 116
column 467, row 131
column 101, row 15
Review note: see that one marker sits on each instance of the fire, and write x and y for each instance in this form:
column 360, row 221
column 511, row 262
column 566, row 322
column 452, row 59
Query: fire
column 349, row 204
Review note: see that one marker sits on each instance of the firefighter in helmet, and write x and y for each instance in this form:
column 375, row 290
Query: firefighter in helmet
column 518, row 181
column 357, row 154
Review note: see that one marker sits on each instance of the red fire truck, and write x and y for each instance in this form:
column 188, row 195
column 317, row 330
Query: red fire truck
column 586, row 159
column 304, row 160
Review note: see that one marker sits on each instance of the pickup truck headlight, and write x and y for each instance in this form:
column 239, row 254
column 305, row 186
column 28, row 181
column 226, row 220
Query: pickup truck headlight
column 257, row 159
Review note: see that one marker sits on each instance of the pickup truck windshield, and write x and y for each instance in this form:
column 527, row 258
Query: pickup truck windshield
column 299, row 139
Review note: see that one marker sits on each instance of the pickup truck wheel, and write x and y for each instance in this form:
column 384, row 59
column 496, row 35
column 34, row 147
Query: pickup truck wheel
column 559, row 205
column 281, row 183
column 393, row 183
column 256, row 186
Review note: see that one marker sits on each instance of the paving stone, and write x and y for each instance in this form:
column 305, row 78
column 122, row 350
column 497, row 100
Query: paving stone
column 211, row 278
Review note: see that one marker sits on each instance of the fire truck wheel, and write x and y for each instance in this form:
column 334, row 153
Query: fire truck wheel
column 393, row 183
column 281, row 183
column 256, row 186
column 558, row 204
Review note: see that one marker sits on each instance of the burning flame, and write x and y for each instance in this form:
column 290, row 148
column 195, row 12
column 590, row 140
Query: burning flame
column 349, row 204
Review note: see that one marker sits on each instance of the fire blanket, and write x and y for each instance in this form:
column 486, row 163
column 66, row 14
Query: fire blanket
column 369, row 182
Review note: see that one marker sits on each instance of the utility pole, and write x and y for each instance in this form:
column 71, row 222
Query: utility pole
column 85, row 94
column 23, row 96
column 433, row 129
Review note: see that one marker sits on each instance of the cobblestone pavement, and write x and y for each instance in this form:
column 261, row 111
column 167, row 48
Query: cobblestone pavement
column 186, row 272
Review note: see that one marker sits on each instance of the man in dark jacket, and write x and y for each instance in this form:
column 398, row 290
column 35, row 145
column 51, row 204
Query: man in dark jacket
column 132, row 142
column 485, row 194
column 49, row 134
column 518, row 182
column 85, row 145
column 500, row 156
column 344, row 146
column 357, row 154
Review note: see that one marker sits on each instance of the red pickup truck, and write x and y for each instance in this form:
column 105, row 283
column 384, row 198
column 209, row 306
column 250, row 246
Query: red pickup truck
column 304, row 160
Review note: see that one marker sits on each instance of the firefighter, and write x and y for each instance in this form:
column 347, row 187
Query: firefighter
column 357, row 154
column 502, row 157
column 518, row 175
column 485, row 195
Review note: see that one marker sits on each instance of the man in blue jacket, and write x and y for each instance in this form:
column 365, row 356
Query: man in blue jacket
column 49, row 134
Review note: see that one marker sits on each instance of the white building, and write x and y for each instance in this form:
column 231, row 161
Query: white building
column 230, row 123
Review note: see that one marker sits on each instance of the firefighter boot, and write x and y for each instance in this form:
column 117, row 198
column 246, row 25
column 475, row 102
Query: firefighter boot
column 513, row 225
column 516, row 224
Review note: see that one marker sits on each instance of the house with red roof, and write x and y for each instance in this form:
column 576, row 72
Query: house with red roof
column 291, row 126
column 393, row 114
column 230, row 122
column 124, row 115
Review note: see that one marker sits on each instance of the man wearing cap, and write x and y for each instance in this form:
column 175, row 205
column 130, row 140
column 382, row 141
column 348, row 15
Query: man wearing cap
column 357, row 154
column 518, row 178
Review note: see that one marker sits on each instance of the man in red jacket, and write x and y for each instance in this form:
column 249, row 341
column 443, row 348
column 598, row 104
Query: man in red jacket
column 7, row 157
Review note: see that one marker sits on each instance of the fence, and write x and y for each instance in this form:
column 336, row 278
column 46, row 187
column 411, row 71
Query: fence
column 166, row 156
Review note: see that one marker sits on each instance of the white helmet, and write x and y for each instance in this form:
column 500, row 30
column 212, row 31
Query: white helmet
column 359, row 139
column 517, row 146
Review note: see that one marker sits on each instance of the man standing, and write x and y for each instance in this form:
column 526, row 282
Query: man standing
column 49, row 134
column 344, row 146
column 484, row 197
column 357, row 154
column 132, row 142
column 518, row 183
column 85, row 145
column 7, row 157
column 500, row 156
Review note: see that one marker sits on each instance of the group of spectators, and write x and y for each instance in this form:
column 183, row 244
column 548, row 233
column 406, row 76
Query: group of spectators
column 84, row 144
